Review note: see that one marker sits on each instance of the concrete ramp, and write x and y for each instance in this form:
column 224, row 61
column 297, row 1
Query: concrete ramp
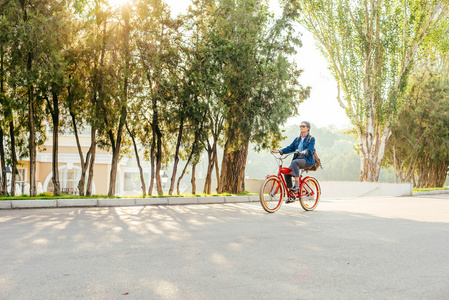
column 349, row 189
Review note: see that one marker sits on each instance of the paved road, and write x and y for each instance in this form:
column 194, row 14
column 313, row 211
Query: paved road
column 373, row 248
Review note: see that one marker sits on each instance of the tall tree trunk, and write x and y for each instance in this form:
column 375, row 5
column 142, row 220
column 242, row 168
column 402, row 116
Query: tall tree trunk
column 13, row 158
column 93, row 150
column 182, row 174
column 441, row 175
column 55, row 164
column 158, row 134
column 210, row 167
column 113, row 174
column 116, row 151
column 3, row 186
column 233, row 169
column 123, row 110
column 433, row 175
column 175, row 164
column 32, row 142
column 193, row 180
column 153, row 171
column 93, row 129
column 32, row 128
column 192, row 153
column 224, row 167
column 217, row 170
column 142, row 178
column 213, row 163
column 158, row 161
column 371, row 153
column 84, row 163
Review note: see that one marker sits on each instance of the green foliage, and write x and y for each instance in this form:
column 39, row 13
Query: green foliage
column 420, row 138
column 259, row 85
column 224, row 71
column 370, row 48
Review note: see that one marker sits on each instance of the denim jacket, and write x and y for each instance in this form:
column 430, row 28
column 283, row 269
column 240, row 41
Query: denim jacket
column 309, row 146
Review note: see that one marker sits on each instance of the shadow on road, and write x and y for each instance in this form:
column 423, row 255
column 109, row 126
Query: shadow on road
column 224, row 251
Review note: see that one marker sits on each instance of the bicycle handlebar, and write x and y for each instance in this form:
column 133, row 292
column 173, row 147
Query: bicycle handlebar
column 281, row 156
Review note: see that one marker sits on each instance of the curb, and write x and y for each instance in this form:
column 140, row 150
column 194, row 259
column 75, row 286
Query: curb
column 122, row 202
column 431, row 193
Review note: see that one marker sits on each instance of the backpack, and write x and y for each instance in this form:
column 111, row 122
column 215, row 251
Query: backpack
column 316, row 158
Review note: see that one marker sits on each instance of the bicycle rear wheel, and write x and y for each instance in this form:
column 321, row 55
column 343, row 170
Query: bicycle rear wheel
column 271, row 193
column 310, row 193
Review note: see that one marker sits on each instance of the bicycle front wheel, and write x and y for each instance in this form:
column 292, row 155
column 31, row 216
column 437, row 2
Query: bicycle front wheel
column 271, row 194
column 310, row 193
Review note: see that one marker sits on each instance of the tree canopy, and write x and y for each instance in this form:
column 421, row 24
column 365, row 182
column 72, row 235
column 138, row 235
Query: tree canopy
column 419, row 147
column 222, row 73
column 371, row 47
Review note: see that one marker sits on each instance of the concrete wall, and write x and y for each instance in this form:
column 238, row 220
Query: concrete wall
column 334, row 189
column 338, row 189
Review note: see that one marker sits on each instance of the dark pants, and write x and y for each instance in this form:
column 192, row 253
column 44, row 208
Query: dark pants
column 288, row 180
column 296, row 165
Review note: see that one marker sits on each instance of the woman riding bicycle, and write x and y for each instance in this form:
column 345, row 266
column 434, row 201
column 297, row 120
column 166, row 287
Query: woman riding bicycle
column 304, row 144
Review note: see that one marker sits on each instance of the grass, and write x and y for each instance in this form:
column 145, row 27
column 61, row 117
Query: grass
column 417, row 190
column 50, row 196
column 245, row 193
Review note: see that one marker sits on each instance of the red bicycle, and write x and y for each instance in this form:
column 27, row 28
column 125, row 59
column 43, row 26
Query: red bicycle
column 274, row 189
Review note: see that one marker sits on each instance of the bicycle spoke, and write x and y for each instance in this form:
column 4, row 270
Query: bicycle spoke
column 310, row 193
column 271, row 194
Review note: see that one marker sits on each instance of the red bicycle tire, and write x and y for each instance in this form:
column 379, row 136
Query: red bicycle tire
column 310, row 193
column 271, row 194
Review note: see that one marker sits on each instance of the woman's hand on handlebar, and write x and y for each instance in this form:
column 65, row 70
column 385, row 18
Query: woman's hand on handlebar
column 275, row 151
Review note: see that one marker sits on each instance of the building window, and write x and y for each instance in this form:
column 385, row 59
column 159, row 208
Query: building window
column 68, row 180
column 69, row 177
column 21, row 176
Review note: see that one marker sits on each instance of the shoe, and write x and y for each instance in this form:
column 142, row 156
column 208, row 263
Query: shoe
column 290, row 200
column 294, row 189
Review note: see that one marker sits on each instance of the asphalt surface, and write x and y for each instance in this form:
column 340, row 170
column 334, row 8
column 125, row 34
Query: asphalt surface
column 371, row 248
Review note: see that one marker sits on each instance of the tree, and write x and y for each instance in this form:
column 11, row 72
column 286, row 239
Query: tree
column 3, row 41
column 87, row 61
column 54, row 109
column 419, row 143
column 205, row 81
column 53, row 80
column 258, row 84
column 136, row 152
column 107, row 37
column 3, row 184
column 215, row 123
column 370, row 47
column 120, row 104
column 26, row 54
column 193, row 93
column 81, row 106
column 156, row 38
column 181, row 99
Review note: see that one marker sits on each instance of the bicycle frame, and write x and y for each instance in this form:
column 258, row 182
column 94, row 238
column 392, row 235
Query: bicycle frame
column 274, row 189
column 282, row 171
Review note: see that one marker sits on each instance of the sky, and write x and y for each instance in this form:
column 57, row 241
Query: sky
column 321, row 108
